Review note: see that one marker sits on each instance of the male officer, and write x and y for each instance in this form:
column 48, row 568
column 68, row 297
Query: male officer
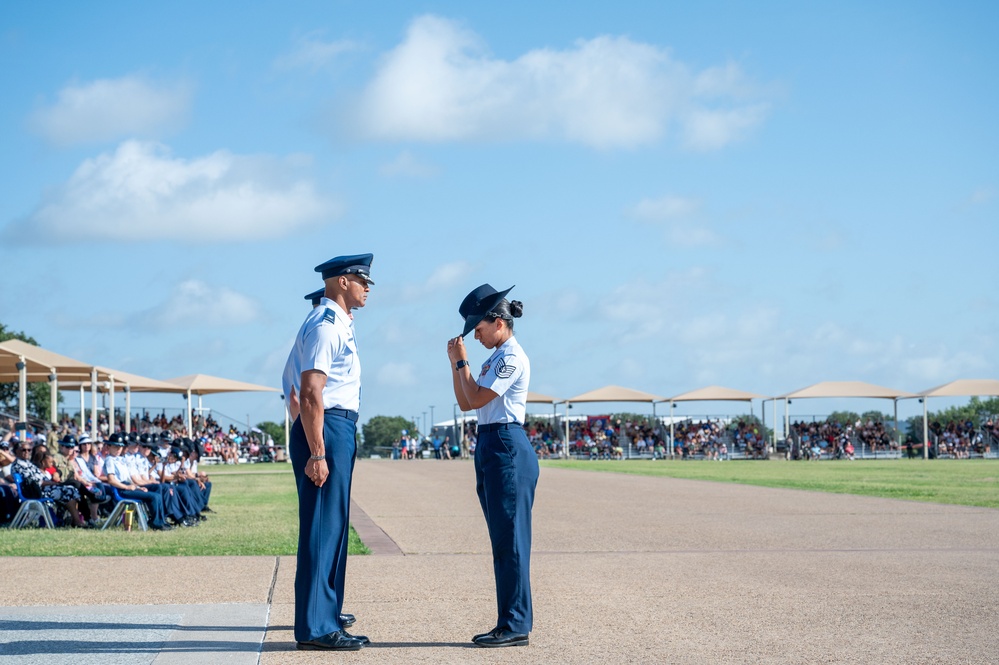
column 291, row 378
column 322, row 452
column 120, row 476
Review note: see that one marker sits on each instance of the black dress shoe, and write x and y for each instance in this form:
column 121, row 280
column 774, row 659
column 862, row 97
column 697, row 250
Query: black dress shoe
column 347, row 620
column 478, row 637
column 503, row 638
column 335, row 641
column 360, row 638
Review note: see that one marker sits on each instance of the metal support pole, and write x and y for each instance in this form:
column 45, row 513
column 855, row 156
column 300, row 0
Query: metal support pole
column 93, row 404
column 111, row 418
column 128, row 408
column 190, row 430
column 53, row 398
column 22, row 397
column 672, row 405
column 83, row 408
column 926, row 433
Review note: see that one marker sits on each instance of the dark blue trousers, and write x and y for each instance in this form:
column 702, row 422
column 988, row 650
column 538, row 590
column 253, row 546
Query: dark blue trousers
column 323, row 519
column 506, row 475
column 154, row 505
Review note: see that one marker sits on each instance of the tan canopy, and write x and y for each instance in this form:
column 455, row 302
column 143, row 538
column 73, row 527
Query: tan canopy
column 203, row 384
column 964, row 388
column 847, row 389
column 538, row 398
column 40, row 363
column 715, row 394
column 616, row 394
column 135, row 382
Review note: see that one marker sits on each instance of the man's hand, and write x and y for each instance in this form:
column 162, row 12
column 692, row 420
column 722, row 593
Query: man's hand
column 317, row 471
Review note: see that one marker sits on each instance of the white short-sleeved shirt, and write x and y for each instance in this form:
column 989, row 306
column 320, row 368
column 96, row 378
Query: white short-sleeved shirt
column 291, row 378
column 507, row 373
column 326, row 343
column 118, row 467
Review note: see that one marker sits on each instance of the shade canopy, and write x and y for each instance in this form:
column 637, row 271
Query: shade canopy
column 965, row 388
column 538, row 398
column 134, row 382
column 847, row 389
column 715, row 394
column 616, row 394
column 203, row 384
column 40, row 362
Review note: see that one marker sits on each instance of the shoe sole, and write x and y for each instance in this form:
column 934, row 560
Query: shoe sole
column 516, row 643
column 301, row 646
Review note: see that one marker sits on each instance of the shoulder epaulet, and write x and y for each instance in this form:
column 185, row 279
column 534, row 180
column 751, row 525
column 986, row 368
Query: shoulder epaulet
column 329, row 315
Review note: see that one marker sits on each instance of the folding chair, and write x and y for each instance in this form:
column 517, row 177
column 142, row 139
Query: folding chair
column 119, row 510
column 32, row 512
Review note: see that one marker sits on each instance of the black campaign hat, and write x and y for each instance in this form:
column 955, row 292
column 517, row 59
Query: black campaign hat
column 116, row 439
column 478, row 304
column 353, row 264
column 316, row 296
column 68, row 441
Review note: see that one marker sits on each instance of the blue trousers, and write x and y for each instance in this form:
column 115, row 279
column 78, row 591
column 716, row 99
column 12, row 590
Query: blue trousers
column 323, row 519
column 506, row 475
column 154, row 505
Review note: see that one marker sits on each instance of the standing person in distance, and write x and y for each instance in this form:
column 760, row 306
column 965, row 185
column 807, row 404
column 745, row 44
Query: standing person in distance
column 506, row 468
column 323, row 448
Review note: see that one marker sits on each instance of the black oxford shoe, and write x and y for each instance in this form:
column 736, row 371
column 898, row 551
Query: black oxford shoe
column 478, row 637
column 335, row 641
column 347, row 620
column 503, row 638
column 360, row 638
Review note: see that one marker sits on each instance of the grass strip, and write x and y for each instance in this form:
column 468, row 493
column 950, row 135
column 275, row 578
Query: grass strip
column 959, row 482
column 256, row 513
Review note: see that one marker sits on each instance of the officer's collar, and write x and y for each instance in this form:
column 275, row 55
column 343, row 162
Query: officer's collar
column 335, row 306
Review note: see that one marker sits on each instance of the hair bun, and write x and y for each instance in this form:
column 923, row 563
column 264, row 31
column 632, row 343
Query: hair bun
column 516, row 309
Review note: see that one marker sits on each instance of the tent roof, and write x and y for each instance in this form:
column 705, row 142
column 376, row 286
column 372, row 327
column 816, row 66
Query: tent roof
column 202, row 384
column 616, row 394
column 540, row 398
column 847, row 389
column 39, row 361
column 715, row 394
column 135, row 382
column 965, row 387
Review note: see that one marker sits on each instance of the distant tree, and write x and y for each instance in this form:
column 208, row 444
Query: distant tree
column 39, row 394
column 274, row 430
column 843, row 417
column 875, row 416
column 383, row 431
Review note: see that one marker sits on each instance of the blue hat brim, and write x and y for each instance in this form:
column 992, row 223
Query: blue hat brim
column 485, row 306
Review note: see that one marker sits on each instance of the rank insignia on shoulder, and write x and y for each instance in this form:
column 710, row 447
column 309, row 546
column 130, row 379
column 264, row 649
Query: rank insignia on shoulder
column 329, row 315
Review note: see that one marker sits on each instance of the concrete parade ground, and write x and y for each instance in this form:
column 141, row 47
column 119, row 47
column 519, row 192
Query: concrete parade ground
column 626, row 569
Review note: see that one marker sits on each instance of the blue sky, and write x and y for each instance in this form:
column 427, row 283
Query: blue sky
column 757, row 195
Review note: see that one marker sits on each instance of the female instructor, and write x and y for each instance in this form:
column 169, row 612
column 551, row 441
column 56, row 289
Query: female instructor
column 506, row 468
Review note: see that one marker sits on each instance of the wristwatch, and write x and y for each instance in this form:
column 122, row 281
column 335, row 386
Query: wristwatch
column 461, row 363
column 317, row 458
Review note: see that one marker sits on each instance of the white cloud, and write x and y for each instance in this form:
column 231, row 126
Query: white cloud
column 407, row 165
column 665, row 208
column 444, row 276
column 140, row 192
column 679, row 217
column 109, row 109
column 399, row 375
column 441, row 84
column 982, row 195
column 193, row 303
column 313, row 53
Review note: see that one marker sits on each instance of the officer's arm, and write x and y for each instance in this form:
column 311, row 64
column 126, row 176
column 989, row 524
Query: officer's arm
column 294, row 407
column 475, row 395
column 313, row 382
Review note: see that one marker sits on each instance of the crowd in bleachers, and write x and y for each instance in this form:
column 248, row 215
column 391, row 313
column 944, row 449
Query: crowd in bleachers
column 959, row 439
column 80, row 484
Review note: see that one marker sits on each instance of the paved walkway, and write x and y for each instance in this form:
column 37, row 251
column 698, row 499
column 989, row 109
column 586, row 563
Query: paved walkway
column 626, row 569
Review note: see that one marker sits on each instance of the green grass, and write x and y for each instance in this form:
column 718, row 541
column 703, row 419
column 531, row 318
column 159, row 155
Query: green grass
column 256, row 513
column 961, row 482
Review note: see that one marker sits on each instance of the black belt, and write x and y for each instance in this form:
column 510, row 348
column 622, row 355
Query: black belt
column 343, row 413
column 492, row 427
